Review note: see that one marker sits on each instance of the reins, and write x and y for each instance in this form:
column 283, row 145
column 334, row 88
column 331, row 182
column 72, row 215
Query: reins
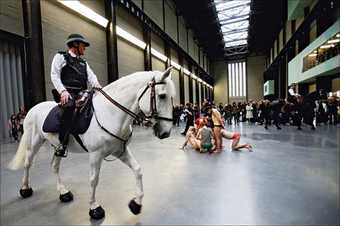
column 140, row 118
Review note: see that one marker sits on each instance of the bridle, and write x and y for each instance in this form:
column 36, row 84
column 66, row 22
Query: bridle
column 153, row 107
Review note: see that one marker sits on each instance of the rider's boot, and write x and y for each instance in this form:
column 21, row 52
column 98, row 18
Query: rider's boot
column 61, row 151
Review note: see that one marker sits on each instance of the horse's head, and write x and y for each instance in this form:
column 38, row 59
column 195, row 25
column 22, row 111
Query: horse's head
column 155, row 101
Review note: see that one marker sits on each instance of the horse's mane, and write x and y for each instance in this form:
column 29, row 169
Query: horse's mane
column 136, row 81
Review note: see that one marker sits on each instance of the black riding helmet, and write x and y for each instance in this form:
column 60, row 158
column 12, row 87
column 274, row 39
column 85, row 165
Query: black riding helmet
column 73, row 38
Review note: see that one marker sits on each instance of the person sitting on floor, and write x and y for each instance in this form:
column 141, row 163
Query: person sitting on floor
column 191, row 139
column 205, row 136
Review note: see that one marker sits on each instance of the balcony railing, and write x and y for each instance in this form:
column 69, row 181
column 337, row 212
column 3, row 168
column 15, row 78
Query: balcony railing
column 326, row 51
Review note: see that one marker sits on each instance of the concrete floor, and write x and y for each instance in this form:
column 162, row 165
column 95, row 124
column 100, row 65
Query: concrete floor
column 291, row 178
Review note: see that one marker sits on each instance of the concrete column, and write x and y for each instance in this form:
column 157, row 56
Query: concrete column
column 111, row 41
column 35, row 78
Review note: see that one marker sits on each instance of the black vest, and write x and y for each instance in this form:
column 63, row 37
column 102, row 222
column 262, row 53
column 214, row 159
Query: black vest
column 74, row 74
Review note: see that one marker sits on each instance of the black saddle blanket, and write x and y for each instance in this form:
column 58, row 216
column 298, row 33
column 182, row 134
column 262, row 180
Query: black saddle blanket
column 80, row 125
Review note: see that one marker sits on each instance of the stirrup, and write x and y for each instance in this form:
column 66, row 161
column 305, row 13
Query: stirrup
column 61, row 151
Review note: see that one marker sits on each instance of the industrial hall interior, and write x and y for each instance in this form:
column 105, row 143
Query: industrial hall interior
column 170, row 112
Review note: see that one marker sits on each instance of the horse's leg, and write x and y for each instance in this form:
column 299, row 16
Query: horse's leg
column 65, row 195
column 135, row 204
column 33, row 144
column 96, row 211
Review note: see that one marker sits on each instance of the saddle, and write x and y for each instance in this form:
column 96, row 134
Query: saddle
column 84, row 110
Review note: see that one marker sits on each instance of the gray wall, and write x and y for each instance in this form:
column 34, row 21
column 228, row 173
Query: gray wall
column 154, row 9
column 255, row 69
column 55, row 32
column 182, row 34
column 158, row 44
column 157, row 65
column 11, row 17
column 170, row 20
column 130, row 57
column 220, row 71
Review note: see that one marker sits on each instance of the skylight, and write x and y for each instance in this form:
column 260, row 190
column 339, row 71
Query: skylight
column 233, row 16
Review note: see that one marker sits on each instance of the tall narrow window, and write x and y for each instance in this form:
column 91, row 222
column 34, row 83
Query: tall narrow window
column 237, row 79
column 234, row 78
column 241, row 79
column 244, row 79
column 229, row 78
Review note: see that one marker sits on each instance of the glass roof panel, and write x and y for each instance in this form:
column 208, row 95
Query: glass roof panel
column 236, row 43
column 234, row 20
column 241, row 35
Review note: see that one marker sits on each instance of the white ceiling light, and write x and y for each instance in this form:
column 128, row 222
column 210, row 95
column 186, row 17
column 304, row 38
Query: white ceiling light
column 193, row 76
column 129, row 37
column 158, row 55
column 326, row 46
column 312, row 55
column 333, row 41
column 186, row 71
column 176, row 65
column 85, row 11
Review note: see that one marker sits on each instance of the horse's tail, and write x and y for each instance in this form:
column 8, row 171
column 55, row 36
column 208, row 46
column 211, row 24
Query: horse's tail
column 19, row 159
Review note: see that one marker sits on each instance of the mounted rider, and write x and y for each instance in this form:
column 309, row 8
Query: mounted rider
column 71, row 75
column 293, row 94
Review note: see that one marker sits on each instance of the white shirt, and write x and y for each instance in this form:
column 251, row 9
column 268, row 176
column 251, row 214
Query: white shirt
column 59, row 62
column 291, row 92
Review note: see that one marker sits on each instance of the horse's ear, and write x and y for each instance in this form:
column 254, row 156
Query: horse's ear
column 166, row 73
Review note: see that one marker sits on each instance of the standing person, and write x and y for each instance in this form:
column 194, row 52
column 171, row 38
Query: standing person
column 20, row 117
column 176, row 115
column 255, row 112
column 13, row 126
column 249, row 114
column 217, row 126
column 266, row 113
column 70, row 75
column 189, row 114
column 332, row 110
column 276, row 110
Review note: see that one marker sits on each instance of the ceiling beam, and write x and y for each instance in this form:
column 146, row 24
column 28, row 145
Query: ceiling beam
column 234, row 7
column 234, row 40
column 235, row 21
column 234, row 16
column 235, row 31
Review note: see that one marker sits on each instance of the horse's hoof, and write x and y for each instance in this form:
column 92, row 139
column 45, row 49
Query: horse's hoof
column 97, row 213
column 135, row 208
column 25, row 193
column 67, row 197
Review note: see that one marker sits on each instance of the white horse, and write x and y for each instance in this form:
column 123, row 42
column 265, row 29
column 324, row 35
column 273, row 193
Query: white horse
column 129, row 91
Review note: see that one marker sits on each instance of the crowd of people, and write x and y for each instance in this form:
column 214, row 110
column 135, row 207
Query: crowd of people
column 15, row 124
column 264, row 112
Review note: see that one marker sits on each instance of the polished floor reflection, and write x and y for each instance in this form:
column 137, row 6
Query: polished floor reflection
column 291, row 178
